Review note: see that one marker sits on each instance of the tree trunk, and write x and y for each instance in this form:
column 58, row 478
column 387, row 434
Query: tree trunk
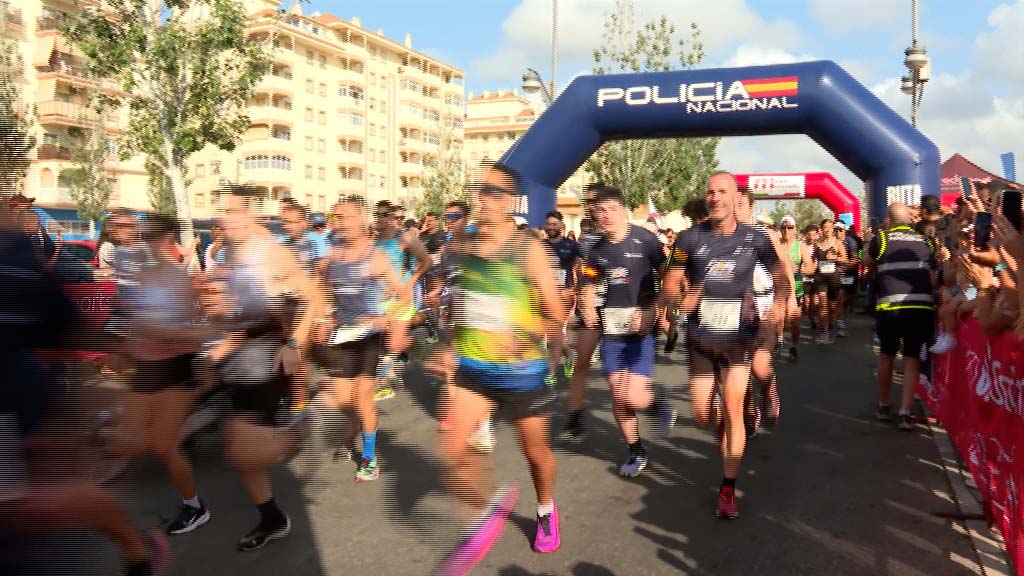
column 177, row 177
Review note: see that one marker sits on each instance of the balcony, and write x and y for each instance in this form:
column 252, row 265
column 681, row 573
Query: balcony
column 413, row 145
column 351, row 77
column 355, row 159
column 269, row 115
column 350, row 128
column 280, row 84
column 71, row 113
column 51, row 21
column 53, row 152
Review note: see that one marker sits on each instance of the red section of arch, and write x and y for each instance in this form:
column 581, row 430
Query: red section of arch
column 818, row 186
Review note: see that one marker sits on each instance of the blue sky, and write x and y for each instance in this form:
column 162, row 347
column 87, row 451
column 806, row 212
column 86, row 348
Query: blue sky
column 975, row 104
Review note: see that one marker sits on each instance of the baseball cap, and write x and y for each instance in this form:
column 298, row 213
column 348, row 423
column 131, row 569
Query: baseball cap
column 317, row 219
column 787, row 220
column 839, row 225
column 519, row 220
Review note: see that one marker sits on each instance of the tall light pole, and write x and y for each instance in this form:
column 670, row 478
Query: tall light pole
column 919, row 65
column 532, row 82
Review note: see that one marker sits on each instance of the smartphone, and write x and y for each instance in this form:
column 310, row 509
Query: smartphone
column 982, row 229
column 966, row 187
column 1011, row 207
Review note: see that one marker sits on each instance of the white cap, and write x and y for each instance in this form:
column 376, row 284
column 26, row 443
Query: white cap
column 839, row 225
column 787, row 220
column 519, row 220
column 764, row 219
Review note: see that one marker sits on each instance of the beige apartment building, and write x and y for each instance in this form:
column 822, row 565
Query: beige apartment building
column 56, row 84
column 494, row 121
column 344, row 110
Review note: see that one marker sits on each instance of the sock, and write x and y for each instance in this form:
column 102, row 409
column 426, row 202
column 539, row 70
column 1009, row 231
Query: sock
column 370, row 445
column 637, row 449
column 193, row 502
column 270, row 515
column 545, row 509
column 728, row 482
column 904, row 412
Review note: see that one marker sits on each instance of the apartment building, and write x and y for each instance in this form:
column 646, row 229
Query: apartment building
column 494, row 121
column 344, row 110
column 57, row 86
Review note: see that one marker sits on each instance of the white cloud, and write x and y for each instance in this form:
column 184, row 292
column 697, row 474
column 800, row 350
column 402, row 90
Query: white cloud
column 750, row 55
column 999, row 50
column 847, row 16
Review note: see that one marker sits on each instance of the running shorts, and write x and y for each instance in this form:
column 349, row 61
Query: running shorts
column 152, row 376
column 352, row 359
column 798, row 286
column 262, row 402
column 907, row 331
column 635, row 354
column 518, row 404
column 828, row 284
column 849, row 282
column 720, row 354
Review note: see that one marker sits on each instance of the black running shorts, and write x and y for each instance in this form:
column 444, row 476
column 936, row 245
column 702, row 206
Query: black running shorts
column 906, row 331
column 352, row 359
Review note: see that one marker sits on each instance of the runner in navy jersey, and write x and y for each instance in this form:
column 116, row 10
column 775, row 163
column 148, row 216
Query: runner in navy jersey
column 567, row 253
column 627, row 262
column 717, row 259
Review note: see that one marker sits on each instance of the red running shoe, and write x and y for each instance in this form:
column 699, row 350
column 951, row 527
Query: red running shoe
column 727, row 507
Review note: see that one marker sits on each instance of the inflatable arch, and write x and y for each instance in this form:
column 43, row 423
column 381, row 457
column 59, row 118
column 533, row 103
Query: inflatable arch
column 809, row 185
column 818, row 99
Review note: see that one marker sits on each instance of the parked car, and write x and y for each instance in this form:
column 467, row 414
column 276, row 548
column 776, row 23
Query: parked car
column 84, row 250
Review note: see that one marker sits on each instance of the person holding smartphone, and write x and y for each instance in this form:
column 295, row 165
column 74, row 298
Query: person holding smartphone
column 906, row 274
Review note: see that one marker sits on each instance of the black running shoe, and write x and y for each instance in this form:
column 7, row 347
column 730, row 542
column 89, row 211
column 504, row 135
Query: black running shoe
column 670, row 342
column 794, row 356
column 907, row 423
column 189, row 519
column 260, row 536
column 573, row 429
column 883, row 413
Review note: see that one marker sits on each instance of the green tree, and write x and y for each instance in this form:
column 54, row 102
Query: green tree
column 185, row 69
column 804, row 211
column 90, row 183
column 158, row 188
column 16, row 118
column 446, row 175
column 670, row 171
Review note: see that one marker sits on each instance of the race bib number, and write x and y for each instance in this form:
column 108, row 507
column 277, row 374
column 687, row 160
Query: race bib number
column 617, row 321
column 827, row 267
column 847, row 280
column 720, row 315
column 561, row 275
column 436, row 258
column 487, row 312
column 349, row 334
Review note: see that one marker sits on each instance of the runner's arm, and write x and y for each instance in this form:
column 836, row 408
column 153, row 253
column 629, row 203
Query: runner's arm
column 539, row 273
column 419, row 251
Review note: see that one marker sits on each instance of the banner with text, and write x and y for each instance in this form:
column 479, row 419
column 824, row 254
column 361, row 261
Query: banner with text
column 977, row 392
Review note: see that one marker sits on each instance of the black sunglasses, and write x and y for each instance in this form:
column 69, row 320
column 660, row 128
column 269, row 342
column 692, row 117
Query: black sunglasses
column 454, row 216
column 492, row 190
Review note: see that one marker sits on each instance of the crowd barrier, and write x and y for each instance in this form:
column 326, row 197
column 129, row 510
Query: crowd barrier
column 977, row 392
column 93, row 302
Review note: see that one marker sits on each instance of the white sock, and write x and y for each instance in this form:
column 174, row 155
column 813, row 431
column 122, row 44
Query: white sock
column 545, row 509
column 193, row 501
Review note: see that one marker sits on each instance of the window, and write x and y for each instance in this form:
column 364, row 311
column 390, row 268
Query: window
column 322, row 202
column 214, row 171
column 321, row 173
column 309, row 57
column 355, row 92
column 321, row 145
column 373, row 129
column 282, row 133
column 112, row 148
column 309, row 86
column 309, row 143
column 373, row 104
column 309, row 114
column 263, row 162
column 384, row 106
column 351, row 118
column 373, row 79
column 511, row 135
column 50, row 138
column 321, row 118
column 383, row 181
column 200, row 170
column 323, row 61
column 323, row 90
column 309, row 199
column 309, row 171
column 432, row 115
column 200, row 200
column 431, row 139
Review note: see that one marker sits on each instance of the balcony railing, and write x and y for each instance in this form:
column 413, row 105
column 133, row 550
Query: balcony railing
column 53, row 152
column 72, row 111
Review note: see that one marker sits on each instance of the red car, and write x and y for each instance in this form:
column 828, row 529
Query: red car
column 84, row 250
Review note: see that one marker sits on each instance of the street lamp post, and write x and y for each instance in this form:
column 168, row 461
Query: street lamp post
column 919, row 65
column 532, row 82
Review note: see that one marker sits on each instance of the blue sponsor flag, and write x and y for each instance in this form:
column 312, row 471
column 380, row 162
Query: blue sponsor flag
column 846, row 218
column 966, row 187
column 1009, row 166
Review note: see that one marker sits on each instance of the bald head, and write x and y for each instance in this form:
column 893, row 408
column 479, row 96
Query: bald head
column 899, row 214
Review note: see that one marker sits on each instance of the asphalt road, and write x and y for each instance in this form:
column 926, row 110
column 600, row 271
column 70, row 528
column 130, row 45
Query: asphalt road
column 830, row 491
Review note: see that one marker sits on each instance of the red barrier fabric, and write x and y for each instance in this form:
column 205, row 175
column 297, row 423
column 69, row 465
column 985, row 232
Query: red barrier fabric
column 93, row 301
column 977, row 392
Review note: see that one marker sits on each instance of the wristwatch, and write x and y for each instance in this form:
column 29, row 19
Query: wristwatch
column 292, row 343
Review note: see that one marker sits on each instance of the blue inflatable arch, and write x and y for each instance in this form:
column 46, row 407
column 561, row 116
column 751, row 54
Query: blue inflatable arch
column 818, row 99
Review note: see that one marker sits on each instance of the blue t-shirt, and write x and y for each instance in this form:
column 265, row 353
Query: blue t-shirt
column 310, row 249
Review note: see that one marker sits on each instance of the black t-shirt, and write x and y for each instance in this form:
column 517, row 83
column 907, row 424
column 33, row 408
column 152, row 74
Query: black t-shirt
column 722, row 267
column 433, row 242
column 628, row 271
column 567, row 251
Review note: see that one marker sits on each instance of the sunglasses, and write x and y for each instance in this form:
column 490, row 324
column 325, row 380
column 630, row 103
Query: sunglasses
column 788, row 227
column 383, row 215
column 452, row 216
column 492, row 190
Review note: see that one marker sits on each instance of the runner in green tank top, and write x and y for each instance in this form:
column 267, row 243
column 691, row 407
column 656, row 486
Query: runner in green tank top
column 799, row 263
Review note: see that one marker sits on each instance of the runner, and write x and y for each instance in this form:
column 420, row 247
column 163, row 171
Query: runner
column 626, row 261
column 567, row 253
column 358, row 275
column 830, row 254
column 307, row 246
column 587, row 338
column 849, row 268
column 505, row 302
column 433, row 239
column 717, row 260
column 800, row 264
column 248, row 298
column 809, row 305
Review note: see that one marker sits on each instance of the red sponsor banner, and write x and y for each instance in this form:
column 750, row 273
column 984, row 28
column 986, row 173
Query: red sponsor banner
column 977, row 392
column 93, row 301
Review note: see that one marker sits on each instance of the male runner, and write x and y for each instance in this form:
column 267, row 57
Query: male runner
column 504, row 303
column 567, row 252
column 717, row 260
column 800, row 264
column 809, row 305
column 830, row 254
column 848, row 295
column 627, row 261
column 307, row 246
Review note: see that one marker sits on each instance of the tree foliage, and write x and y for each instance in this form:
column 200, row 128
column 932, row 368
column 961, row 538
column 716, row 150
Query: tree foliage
column 805, row 211
column 185, row 69
column 16, row 118
column 446, row 177
column 90, row 184
column 670, row 171
column 158, row 188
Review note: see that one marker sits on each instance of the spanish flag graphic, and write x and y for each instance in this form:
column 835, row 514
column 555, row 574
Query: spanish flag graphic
column 772, row 87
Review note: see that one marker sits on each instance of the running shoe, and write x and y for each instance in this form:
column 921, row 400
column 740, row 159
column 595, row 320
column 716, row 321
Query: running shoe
column 727, row 507
column 667, row 416
column 385, row 393
column 482, row 439
column 550, row 380
column 944, row 343
column 260, row 536
column 569, row 368
column 573, row 429
column 883, row 413
column 367, row 471
column 841, row 328
column 821, row 337
column 794, row 355
column 189, row 518
column 482, row 535
column 772, row 405
column 670, row 341
column 907, row 423
column 548, row 539
column 159, row 556
column 634, row 466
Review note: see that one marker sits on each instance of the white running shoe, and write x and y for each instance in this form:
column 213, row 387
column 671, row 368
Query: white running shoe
column 482, row 440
